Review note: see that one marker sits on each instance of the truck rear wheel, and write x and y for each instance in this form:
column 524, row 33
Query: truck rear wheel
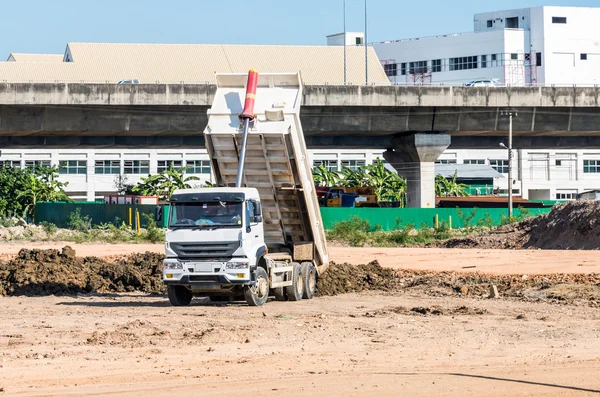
column 179, row 295
column 295, row 291
column 310, row 280
column 258, row 294
column 279, row 294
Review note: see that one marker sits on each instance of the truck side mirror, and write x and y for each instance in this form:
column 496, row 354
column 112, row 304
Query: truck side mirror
column 257, row 209
column 158, row 214
column 258, row 218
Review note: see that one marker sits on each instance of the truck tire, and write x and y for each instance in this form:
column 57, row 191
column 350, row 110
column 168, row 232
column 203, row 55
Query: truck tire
column 310, row 280
column 279, row 294
column 258, row 294
column 295, row 291
column 179, row 295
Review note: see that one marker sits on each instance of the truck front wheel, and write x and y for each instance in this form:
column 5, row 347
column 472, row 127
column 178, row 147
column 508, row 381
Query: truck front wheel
column 179, row 295
column 258, row 294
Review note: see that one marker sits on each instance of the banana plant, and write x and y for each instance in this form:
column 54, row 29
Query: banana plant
column 324, row 177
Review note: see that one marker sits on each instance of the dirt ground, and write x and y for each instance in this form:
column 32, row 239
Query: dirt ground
column 348, row 345
column 417, row 341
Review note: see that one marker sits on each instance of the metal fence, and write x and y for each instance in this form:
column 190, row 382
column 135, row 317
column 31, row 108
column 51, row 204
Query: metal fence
column 386, row 218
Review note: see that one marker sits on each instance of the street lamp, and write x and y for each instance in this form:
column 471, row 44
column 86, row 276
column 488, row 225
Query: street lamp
column 510, row 115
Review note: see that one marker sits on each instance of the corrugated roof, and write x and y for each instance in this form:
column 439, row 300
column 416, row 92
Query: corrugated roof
column 198, row 63
column 18, row 57
column 467, row 171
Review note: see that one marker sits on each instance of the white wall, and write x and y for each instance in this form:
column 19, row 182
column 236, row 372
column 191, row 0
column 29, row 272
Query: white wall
column 351, row 37
column 536, row 173
column 498, row 19
column 564, row 44
column 499, row 42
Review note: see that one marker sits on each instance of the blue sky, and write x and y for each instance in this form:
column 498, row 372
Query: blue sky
column 43, row 26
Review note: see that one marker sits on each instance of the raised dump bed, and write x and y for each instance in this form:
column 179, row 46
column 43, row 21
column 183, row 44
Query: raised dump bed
column 277, row 162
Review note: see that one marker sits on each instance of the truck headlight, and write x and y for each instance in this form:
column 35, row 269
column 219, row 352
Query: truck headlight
column 237, row 265
column 173, row 265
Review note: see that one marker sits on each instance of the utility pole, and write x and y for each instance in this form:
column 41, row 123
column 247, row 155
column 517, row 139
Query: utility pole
column 366, row 48
column 510, row 115
column 345, row 75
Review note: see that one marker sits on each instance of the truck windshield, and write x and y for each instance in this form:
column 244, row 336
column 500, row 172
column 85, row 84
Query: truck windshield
column 190, row 215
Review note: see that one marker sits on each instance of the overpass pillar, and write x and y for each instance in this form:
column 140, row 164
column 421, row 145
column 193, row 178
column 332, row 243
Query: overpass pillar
column 414, row 156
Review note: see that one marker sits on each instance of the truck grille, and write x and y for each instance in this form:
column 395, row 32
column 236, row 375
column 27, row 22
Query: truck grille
column 205, row 278
column 204, row 250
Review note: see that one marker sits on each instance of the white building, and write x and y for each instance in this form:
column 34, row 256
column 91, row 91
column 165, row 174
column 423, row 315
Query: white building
column 531, row 46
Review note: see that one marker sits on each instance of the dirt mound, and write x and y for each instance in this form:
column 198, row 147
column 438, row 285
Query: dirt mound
column 53, row 272
column 567, row 288
column 429, row 311
column 571, row 226
column 344, row 278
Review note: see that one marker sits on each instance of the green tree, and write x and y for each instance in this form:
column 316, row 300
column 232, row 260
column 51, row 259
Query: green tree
column 174, row 178
column 450, row 187
column 37, row 184
column 324, row 177
column 164, row 184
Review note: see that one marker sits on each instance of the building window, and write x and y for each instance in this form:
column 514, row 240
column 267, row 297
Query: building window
column 583, row 57
column 359, row 41
column 452, row 161
column 72, row 167
column 566, row 196
column 198, row 166
column 10, row 163
column 391, row 69
column 136, row 167
column 484, row 61
column 490, row 23
column 106, row 167
column 558, row 163
column 559, row 20
column 330, row 165
column 418, row 67
column 514, row 56
column 354, row 165
column 500, row 165
column 512, row 23
column 463, row 63
column 436, row 65
column 403, row 68
column 474, row 162
column 164, row 165
column 538, row 59
column 591, row 166
column 37, row 163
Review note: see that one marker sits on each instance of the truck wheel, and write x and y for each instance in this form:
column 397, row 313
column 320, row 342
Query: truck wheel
column 310, row 280
column 296, row 290
column 179, row 295
column 279, row 294
column 258, row 294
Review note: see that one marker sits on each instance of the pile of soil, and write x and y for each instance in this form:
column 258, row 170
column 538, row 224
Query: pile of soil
column 571, row 226
column 345, row 278
column 53, row 272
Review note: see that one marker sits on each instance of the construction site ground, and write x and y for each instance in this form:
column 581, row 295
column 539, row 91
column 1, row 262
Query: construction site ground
column 420, row 341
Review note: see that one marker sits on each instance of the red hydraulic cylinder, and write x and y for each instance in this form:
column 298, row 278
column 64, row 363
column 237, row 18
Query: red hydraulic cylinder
column 248, row 112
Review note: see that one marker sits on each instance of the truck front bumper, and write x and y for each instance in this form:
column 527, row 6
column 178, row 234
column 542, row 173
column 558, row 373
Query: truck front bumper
column 209, row 275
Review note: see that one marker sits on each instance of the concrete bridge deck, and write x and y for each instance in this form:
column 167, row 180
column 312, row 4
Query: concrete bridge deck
column 344, row 116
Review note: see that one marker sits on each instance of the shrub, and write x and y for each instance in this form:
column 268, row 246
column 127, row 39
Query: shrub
column 79, row 222
column 49, row 228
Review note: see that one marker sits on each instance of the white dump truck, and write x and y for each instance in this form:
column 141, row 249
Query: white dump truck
column 258, row 231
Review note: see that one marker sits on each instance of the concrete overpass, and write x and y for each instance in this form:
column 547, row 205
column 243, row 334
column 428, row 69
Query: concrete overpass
column 415, row 124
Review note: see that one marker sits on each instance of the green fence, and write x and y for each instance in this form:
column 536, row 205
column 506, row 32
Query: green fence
column 387, row 218
column 392, row 218
column 58, row 213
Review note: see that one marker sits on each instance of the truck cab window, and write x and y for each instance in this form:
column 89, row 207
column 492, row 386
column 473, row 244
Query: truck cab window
column 250, row 212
